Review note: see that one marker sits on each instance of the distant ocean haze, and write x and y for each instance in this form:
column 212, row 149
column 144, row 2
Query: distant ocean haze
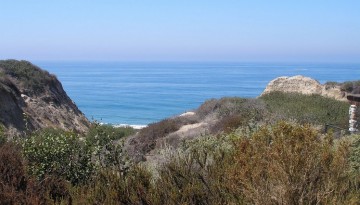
column 137, row 93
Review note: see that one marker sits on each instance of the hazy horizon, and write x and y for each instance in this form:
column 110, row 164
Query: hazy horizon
column 178, row 31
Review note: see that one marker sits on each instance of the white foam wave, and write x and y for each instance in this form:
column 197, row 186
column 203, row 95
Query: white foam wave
column 138, row 127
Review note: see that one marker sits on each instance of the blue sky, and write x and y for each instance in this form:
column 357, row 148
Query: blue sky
column 181, row 30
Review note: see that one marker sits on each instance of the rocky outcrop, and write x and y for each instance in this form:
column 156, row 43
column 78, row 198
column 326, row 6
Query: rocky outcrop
column 305, row 85
column 32, row 99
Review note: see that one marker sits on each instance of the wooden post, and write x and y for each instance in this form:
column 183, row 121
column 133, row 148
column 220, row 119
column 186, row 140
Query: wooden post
column 354, row 100
column 352, row 120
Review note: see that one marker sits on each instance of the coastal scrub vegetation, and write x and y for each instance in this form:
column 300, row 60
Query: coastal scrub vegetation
column 283, row 163
column 33, row 77
column 146, row 138
column 314, row 109
column 269, row 150
column 347, row 86
column 232, row 113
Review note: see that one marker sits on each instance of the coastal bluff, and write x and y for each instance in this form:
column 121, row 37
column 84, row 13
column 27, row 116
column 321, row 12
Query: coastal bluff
column 33, row 99
column 305, row 85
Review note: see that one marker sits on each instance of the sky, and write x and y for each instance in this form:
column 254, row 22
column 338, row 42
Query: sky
column 181, row 30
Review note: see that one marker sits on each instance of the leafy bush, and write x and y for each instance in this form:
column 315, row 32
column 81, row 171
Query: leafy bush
column 313, row 109
column 58, row 153
column 108, row 133
column 107, row 143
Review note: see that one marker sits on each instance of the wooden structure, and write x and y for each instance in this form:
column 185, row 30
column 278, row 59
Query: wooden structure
column 354, row 99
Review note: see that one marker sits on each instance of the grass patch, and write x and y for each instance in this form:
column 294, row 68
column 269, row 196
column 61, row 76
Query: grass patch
column 313, row 109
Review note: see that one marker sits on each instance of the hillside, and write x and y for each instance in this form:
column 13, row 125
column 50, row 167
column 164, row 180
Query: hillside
column 298, row 99
column 32, row 99
column 222, row 116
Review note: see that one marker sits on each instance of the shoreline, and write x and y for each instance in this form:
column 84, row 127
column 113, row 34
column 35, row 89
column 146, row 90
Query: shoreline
column 139, row 127
column 136, row 127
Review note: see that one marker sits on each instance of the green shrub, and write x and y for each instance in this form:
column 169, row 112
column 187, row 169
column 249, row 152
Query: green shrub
column 106, row 133
column 107, row 143
column 74, row 158
column 58, row 153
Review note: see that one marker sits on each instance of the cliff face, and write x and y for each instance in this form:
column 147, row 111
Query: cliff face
column 305, row 85
column 32, row 99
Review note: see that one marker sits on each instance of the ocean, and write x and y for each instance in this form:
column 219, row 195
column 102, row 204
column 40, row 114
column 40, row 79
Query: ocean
column 139, row 93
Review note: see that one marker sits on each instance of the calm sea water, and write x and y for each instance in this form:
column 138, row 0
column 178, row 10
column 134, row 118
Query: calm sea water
column 142, row 93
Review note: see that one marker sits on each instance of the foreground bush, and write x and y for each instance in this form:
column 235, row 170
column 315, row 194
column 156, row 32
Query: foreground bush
column 15, row 186
column 197, row 174
column 58, row 153
column 292, row 164
column 110, row 187
column 72, row 157
column 281, row 164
